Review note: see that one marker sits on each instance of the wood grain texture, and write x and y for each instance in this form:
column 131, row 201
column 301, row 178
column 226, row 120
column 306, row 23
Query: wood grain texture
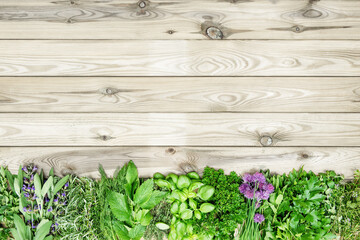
column 179, row 58
column 180, row 129
column 84, row 161
column 186, row 19
column 179, row 94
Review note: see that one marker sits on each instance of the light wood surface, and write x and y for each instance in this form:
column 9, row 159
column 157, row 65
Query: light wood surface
column 179, row 94
column 179, row 58
column 186, row 19
column 180, row 129
column 178, row 85
column 84, row 161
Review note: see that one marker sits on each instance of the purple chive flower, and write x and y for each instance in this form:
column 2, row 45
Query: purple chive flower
column 244, row 187
column 47, row 200
column 66, row 184
column 50, row 209
column 24, row 188
column 25, row 209
column 248, row 178
column 56, row 200
column 249, row 194
column 32, row 178
column 25, row 169
column 259, row 177
column 27, row 195
column 35, row 168
column 63, row 194
column 259, row 218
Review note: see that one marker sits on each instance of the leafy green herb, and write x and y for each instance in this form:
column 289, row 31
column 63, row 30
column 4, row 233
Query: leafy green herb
column 188, row 196
column 230, row 207
column 9, row 203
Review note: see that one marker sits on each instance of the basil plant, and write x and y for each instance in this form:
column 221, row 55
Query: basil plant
column 188, row 196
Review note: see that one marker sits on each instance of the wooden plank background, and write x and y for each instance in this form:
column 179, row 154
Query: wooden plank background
column 186, row 19
column 179, row 85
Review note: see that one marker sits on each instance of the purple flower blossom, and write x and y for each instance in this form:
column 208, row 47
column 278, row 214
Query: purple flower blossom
column 25, row 209
column 34, row 168
column 256, row 186
column 249, row 194
column 259, row 218
column 56, row 200
column 259, row 178
column 248, row 178
column 244, row 187
column 27, row 195
column 50, row 209
column 63, row 194
column 66, row 184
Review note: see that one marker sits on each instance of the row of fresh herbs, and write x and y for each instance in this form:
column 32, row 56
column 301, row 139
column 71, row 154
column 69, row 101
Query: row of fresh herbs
column 300, row 205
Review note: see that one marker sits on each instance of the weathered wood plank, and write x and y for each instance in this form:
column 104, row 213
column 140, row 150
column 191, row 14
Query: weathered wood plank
column 186, row 19
column 179, row 58
column 179, row 94
column 180, row 129
column 84, row 161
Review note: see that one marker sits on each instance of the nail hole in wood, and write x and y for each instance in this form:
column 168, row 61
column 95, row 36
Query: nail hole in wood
column 170, row 32
column 266, row 141
column 214, row 33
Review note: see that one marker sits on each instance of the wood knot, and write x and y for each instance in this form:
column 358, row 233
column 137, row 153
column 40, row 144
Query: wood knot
column 170, row 32
column 72, row 2
column 312, row 13
column 298, row 29
column 109, row 91
column 303, row 155
column 214, row 33
column 69, row 20
column 142, row 4
column 171, row 151
column 266, row 141
column 105, row 137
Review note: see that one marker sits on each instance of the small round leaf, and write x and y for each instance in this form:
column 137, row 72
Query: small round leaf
column 206, row 207
column 187, row 214
column 183, row 182
column 162, row 226
column 205, row 192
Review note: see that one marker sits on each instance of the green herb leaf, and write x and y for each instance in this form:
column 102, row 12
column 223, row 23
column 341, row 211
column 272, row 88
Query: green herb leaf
column 143, row 193
column 156, row 197
column 131, row 173
column 206, row 207
column 119, row 206
column 183, row 182
column 137, row 232
column 205, row 192
column 43, row 231
column 186, row 214
column 162, row 226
